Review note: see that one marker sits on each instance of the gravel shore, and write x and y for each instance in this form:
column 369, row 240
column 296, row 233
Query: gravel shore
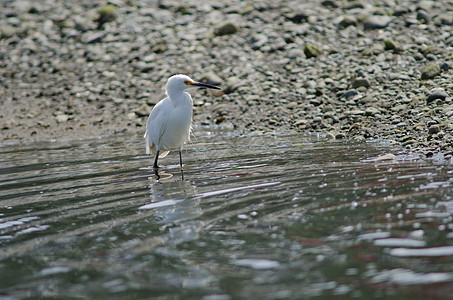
column 348, row 69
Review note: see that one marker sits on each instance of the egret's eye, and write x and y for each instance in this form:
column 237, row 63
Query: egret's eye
column 187, row 82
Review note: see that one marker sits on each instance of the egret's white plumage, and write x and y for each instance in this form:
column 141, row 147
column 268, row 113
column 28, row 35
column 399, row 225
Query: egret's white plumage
column 169, row 123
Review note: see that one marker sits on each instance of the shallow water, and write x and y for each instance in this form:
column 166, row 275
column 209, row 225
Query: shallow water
column 270, row 217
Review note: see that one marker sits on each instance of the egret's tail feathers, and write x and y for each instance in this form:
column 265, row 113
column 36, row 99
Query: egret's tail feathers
column 148, row 149
column 163, row 154
column 152, row 150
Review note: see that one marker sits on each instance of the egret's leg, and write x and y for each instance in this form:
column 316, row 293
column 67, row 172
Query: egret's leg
column 180, row 159
column 155, row 160
column 180, row 164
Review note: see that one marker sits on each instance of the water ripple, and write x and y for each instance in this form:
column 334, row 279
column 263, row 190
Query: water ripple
column 288, row 216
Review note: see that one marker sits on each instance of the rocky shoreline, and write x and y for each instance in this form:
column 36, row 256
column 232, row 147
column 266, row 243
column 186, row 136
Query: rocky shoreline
column 348, row 69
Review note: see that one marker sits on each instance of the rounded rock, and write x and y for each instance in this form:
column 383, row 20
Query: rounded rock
column 227, row 27
column 311, row 50
column 347, row 21
column 360, row 82
column 430, row 71
column 143, row 111
column 435, row 94
column 376, row 22
column 433, row 129
column 350, row 94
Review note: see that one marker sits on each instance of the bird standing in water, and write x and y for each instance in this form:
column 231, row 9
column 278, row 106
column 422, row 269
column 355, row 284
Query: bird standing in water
column 169, row 123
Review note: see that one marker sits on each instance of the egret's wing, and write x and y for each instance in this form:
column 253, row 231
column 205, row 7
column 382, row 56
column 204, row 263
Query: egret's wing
column 155, row 126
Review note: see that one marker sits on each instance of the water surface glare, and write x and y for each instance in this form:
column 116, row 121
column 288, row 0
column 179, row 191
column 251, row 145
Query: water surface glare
column 272, row 217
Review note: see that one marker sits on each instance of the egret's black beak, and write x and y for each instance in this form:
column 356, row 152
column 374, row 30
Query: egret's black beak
column 206, row 85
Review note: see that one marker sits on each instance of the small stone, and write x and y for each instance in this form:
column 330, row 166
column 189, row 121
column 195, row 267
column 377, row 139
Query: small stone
column 298, row 17
column 423, row 16
column 376, row 22
column 329, row 3
column 291, row 105
column 231, row 85
column 435, row 94
column 295, row 53
column 430, row 50
column 257, row 41
column 61, row 118
column 431, row 123
column 349, row 94
column 359, row 82
column 399, row 11
column 301, row 122
column 444, row 66
column 8, row 124
column 430, row 71
column 107, row 13
column 144, row 110
column 227, row 27
column 340, row 136
column 371, row 111
column 92, row 38
column 347, row 21
column 390, row 45
column 311, row 50
column 355, row 112
column 7, row 31
column 316, row 101
column 444, row 19
column 146, row 68
column 317, row 119
column 433, row 129
column 159, row 48
column 329, row 136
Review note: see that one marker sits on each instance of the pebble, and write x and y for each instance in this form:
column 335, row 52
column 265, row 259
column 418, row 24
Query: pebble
column 390, row 44
column 7, row 31
column 340, row 136
column 311, row 50
column 430, row 71
column 349, row 94
column 92, row 38
column 435, row 94
column 258, row 41
column 360, row 82
column 144, row 110
column 61, row 118
column 291, row 105
column 231, row 85
column 376, row 22
column 298, row 17
column 433, row 129
column 295, row 53
column 347, row 21
column 107, row 13
column 371, row 111
column 227, row 27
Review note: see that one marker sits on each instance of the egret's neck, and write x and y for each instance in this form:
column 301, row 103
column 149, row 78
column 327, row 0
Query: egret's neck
column 179, row 97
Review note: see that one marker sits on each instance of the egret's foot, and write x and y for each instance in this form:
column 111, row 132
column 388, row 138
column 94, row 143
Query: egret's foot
column 156, row 172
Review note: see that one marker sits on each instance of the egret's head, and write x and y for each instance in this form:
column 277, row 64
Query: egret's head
column 181, row 82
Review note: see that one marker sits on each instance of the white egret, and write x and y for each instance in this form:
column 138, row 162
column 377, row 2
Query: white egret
column 169, row 123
